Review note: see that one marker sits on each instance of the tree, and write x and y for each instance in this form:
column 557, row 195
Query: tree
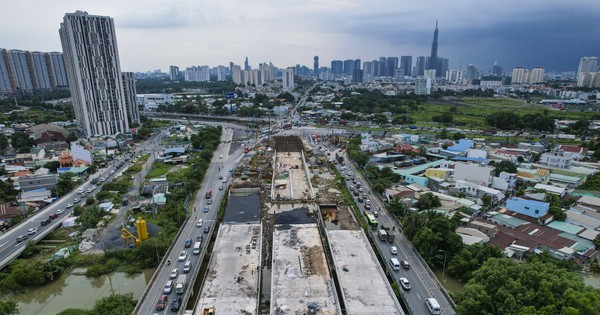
column 21, row 142
column 90, row 217
column 444, row 134
column 7, row 191
column 555, row 207
column 379, row 119
column 429, row 201
column 504, row 286
column 458, row 135
column 64, row 184
column 504, row 166
column 114, row 304
column 470, row 259
column 52, row 166
column 396, row 207
column 8, row 308
column 3, row 143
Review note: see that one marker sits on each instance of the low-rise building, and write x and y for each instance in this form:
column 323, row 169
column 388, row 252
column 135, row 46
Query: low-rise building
column 532, row 208
column 33, row 182
column 557, row 159
column 474, row 173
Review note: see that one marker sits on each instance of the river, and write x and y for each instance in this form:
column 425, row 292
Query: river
column 78, row 291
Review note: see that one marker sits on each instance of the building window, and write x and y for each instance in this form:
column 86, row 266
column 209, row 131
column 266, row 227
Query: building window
column 526, row 208
column 537, row 211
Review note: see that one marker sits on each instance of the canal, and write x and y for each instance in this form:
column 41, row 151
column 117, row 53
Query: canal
column 74, row 290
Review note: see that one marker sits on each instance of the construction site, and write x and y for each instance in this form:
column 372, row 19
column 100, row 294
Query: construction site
column 289, row 242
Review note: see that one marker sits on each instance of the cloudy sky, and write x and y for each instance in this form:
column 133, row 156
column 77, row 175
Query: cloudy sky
column 153, row 34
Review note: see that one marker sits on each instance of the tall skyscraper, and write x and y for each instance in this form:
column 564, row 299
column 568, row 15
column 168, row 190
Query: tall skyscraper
column 357, row 76
column 348, row 66
column 423, row 86
column 174, row 73
column 406, row 65
column 337, row 67
column 368, row 68
column 246, row 65
column 92, row 60
column 496, row 69
column 587, row 64
column 420, row 66
column 130, row 93
column 288, row 80
column 316, row 65
column 434, row 49
column 471, row 74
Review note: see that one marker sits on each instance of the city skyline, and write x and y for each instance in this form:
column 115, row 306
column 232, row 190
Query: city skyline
column 186, row 33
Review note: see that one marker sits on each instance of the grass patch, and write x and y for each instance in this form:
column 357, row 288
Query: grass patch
column 158, row 169
column 144, row 157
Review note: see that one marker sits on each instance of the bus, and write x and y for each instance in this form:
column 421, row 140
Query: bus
column 372, row 221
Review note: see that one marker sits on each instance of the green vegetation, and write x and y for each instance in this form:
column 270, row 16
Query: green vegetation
column 356, row 154
column 8, row 308
column 158, row 169
column 133, row 169
column 110, row 305
column 503, row 166
column 512, row 121
column 555, row 207
column 381, row 179
column 21, row 142
column 7, row 191
column 37, row 111
column 542, row 286
column 90, row 217
column 429, row 201
column 64, row 184
column 593, row 183
column 470, row 259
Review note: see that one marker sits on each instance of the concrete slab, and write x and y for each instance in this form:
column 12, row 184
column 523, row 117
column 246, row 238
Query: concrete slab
column 300, row 276
column 231, row 286
column 295, row 184
column 363, row 282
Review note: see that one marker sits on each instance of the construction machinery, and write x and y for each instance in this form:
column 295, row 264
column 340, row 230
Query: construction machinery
column 142, row 233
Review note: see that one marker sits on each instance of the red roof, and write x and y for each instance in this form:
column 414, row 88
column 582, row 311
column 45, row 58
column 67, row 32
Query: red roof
column 572, row 148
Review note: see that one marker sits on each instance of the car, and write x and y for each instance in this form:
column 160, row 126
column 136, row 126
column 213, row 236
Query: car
column 368, row 201
column 199, row 238
column 206, row 230
column 187, row 267
column 404, row 283
column 94, row 187
column 220, row 187
column 52, row 216
column 225, row 180
column 112, row 172
column 360, row 190
column 231, row 170
column 405, row 264
column 176, row 304
column 168, row 287
column 69, row 205
column 89, row 190
column 220, row 156
column 162, row 302
column 376, row 214
column 359, row 199
column 394, row 250
column 22, row 238
column 220, row 176
column 76, row 200
column 32, row 231
column 351, row 187
column 367, row 207
column 182, row 256
column 209, row 202
column 199, row 222
column 80, row 190
column 174, row 273
column 205, row 209
column 354, row 181
column 188, row 243
column 45, row 222
column 60, row 211
column 356, row 193
column 102, row 179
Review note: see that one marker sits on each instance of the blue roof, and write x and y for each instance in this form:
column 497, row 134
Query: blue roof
column 461, row 146
column 468, row 159
column 175, row 150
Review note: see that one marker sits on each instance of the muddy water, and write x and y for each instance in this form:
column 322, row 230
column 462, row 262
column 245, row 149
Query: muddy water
column 450, row 283
column 592, row 280
column 78, row 291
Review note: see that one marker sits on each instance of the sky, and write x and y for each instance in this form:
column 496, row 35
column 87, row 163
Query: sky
column 153, row 34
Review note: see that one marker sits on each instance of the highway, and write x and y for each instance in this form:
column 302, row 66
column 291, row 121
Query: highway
column 10, row 248
column 220, row 165
column 423, row 283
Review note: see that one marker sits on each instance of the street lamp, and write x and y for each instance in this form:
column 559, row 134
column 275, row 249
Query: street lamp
column 444, row 268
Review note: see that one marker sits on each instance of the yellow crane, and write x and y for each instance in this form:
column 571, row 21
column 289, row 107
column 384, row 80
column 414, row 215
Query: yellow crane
column 142, row 233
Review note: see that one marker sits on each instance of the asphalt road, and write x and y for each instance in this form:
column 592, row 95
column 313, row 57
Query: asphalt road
column 10, row 248
column 423, row 285
column 221, row 163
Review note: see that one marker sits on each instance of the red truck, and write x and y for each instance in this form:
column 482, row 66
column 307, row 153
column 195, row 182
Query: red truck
column 246, row 149
column 287, row 126
column 208, row 194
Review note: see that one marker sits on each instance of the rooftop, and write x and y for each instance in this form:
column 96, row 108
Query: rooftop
column 231, row 284
column 300, row 275
column 355, row 260
column 565, row 227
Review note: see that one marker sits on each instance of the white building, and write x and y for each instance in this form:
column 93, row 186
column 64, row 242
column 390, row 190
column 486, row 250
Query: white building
column 92, row 60
column 423, row 86
column 197, row 74
column 474, row 173
column 129, row 90
column 527, row 76
column 558, row 159
column 288, row 80
column 151, row 101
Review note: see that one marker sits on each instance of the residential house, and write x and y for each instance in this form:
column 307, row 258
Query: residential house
column 50, row 136
column 8, row 210
column 532, row 208
column 533, row 175
column 34, row 182
column 475, row 173
column 577, row 153
column 551, row 189
column 442, row 173
column 505, row 181
column 558, row 159
column 478, row 191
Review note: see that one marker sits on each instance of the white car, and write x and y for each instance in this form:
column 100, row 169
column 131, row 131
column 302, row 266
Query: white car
column 174, row 273
column 404, row 283
column 32, row 231
column 80, row 190
column 168, row 287
column 69, row 205
column 394, row 250
column 199, row 223
column 89, row 190
column 225, row 180
column 368, row 201
column 60, row 211
column 182, row 256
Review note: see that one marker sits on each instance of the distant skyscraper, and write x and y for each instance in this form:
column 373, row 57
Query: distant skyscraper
column 390, row 66
column 527, row 76
column 423, row 86
column 349, row 66
column 246, row 64
column 288, row 80
column 496, row 69
column 95, row 80
column 367, row 68
column 337, row 67
column 316, row 65
column 57, row 70
column 197, row 74
column 130, row 93
column 174, row 73
column 357, row 76
column 406, row 65
column 434, row 49
column 420, row 67
column 587, row 64
column 357, row 64
column 471, row 74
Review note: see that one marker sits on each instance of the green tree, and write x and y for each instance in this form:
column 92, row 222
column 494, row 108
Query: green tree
column 7, row 191
column 52, row 166
column 3, row 143
column 379, row 119
column 64, row 184
column 8, row 308
column 504, row 286
column 444, row 134
column 21, row 142
column 458, row 135
column 429, row 201
column 470, row 259
column 555, row 207
column 114, row 304
column 396, row 207
column 90, row 217
column 504, row 166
